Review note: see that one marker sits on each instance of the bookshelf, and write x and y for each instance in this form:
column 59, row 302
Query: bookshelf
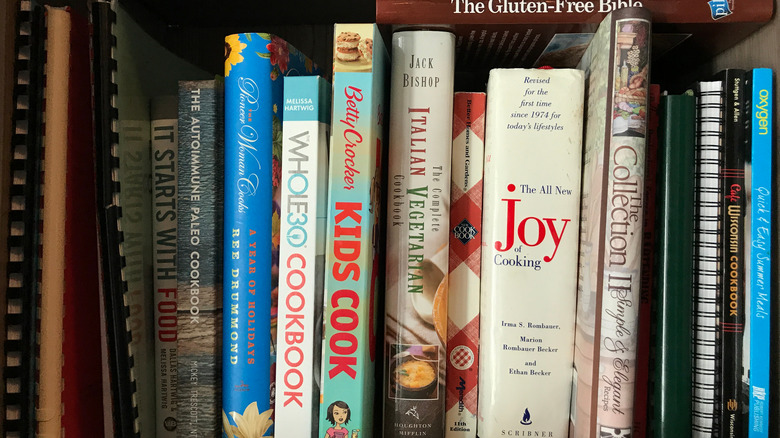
column 194, row 30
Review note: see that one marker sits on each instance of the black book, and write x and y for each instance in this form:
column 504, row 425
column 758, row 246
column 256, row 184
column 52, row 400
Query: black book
column 124, row 412
column 733, row 300
column 24, row 214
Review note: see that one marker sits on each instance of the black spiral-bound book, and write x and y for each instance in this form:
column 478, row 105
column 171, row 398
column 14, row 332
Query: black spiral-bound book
column 23, row 237
column 124, row 411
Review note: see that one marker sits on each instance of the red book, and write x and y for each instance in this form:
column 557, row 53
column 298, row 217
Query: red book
column 82, row 372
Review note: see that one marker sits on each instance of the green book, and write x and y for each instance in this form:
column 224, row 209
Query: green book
column 672, row 297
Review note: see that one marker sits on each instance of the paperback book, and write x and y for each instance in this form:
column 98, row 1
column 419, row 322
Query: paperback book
column 302, row 254
column 468, row 150
column 165, row 146
column 732, row 264
column 419, row 164
column 255, row 65
column 617, row 64
column 760, row 115
column 529, row 280
column 353, row 280
column 199, row 304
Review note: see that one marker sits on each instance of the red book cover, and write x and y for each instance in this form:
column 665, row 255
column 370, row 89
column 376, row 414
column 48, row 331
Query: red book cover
column 82, row 372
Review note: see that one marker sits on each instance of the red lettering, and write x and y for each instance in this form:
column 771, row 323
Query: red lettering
column 339, row 315
column 342, row 364
column 348, row 210
column 344, row 274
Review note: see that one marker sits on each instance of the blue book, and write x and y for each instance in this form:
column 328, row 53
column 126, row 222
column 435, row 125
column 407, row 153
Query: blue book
column 254, row 66
column 760, row 136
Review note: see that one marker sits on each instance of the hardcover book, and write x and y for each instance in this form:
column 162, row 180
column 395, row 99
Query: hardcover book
column 353, row 280
column 255, row 64
column 529, row 258
column 617, row 65
column 468, row 150
column 673, row 273
column 760, row 115
column 304, row 186
column 165, row 145
column 505, row 33
column 419, row 165
column 199, row 307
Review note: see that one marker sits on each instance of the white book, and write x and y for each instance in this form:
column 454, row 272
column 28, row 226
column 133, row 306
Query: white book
column 533, row 150
column 165, row 146
column 303, row 215
column 419, row 165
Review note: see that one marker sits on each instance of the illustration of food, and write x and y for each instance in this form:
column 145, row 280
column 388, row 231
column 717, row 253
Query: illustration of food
column 415, row 374
column 347, row 46
column 423, row 302
column 440, row 309
column 366, row 47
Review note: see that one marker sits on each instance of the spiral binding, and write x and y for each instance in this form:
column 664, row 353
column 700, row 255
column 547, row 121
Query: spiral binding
column 112, row 264
column 24, row 213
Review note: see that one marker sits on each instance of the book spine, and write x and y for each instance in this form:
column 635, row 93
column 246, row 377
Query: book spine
column 119, row 360
column 199, row 305
column 81, row 361
column 21, row 295
column 641, row 391
column 707, row 229
column 468, row 149
column 419, row 165
column 254, row 68
column 732, row 300
column 247, row 340
column 761, row 115
column 49, row 408
column 165, row 143
column 673, row 300
column 531, row 218
column 353, row 281
column 302, row 254
column 612, row 213
column 135, row 170
column 624, row 210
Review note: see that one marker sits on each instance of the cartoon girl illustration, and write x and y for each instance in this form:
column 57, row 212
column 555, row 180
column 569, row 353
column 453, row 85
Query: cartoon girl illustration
column 339, row 415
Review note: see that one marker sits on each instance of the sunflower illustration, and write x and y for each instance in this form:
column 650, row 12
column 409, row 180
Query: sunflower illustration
column 233, row 48
column 250, row 424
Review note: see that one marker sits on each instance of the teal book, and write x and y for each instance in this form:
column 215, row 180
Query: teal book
column 672, row 295
column 199, row 257
column 255, row 64
column 353, row 280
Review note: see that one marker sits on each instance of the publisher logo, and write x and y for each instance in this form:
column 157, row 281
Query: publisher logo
column 464, row 231
column 719, row 9
column 170, row 424
column 461, row 357
column 526, row 421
